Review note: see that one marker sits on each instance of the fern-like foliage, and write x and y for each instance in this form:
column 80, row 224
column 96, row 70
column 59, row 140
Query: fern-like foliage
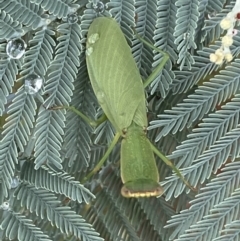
column 66, row 184
column 23, row 11
column 16, row 135
column 231, row 232
column 213, row 127
column 47, row 150
column 46, row 205
column 9, row 27
column 18, row 226
column 187, row 17
column 77, row 131
column 8, row 72
column 59, row 89
column 210, row 196
column 58, row 8
column 205, row 99
column 38, row 57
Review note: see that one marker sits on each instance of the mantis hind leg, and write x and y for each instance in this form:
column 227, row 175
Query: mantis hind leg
column 170, row 164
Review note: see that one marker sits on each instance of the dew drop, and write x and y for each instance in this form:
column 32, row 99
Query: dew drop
column 15, row 182
column 5, row 206
column 72, row 18
column 16, row 48
column 99, row 7
column 33, row 83
column 93, row 38
column 212, row 14
column 186, row 35
column 89, row 51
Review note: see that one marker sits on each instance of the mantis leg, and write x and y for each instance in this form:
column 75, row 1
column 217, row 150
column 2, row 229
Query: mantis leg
column 170, row 164
column 156, row 71
column 104, row 158
column 93, row 123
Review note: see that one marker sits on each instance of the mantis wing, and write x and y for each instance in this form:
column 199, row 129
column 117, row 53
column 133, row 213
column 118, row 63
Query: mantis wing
column 114, row 75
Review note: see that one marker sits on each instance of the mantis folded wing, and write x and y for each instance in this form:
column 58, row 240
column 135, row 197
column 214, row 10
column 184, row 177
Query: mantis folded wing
column 119, row 89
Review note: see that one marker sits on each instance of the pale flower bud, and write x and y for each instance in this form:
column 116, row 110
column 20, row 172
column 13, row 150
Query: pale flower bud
column 219, row 61
column 219, row 53
column 213, row 58
column 226, row 23
column 228, row 57
column 227, row 41
column 217, row 57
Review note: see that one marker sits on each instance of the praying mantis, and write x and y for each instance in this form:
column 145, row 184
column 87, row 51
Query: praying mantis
column 119, row 89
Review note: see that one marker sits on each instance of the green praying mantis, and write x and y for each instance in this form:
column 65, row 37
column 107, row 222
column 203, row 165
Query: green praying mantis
column 119, row 89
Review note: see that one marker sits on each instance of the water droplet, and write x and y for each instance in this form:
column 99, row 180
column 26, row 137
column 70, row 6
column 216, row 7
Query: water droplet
column 33, row 83
column 16, row 48
column 93, row 38
column 212, row 14
column 89, row 51
column 15, row 182
column 101, row 97
column 5, row 206
column 72, row 18
column 99, row 7
column 186, row 35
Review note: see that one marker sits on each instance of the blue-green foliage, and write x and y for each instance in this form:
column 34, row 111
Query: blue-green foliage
column 27, row 13
column 193, row 110
column 9, row 27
